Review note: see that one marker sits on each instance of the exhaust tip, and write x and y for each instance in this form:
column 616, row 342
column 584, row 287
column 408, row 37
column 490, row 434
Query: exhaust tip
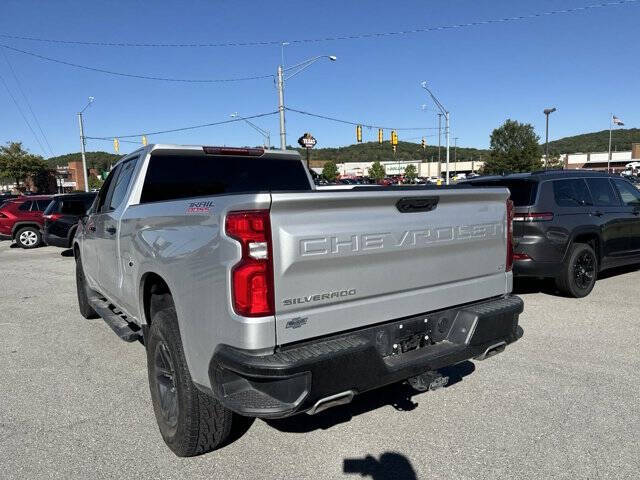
column 492, row 350
column 341, row 398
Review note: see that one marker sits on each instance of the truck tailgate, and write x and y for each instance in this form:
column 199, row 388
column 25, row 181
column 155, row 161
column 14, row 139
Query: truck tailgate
column 344, row 260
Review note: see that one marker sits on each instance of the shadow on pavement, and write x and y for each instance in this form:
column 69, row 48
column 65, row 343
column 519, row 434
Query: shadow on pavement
column 391, row 465
column 67, row 253
column 399, row 396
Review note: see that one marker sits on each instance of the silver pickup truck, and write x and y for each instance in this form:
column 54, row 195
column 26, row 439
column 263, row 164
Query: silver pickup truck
column 256, row 294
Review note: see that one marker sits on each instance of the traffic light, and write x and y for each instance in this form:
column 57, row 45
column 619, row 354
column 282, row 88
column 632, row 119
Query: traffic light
column 116, row 145
column 394, row 137
column 424, row 144
column 144, row 140
column 380, row 136
column 359, row 133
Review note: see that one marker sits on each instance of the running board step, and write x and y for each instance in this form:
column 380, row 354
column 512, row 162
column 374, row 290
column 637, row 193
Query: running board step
column 128, row 332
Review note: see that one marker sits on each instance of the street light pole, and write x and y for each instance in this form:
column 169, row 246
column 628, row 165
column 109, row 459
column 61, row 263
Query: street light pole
column 455, row 155
column 265, row 133
column 609, row 156
column 82, row 145
column 439, row 142
column 547, row 112
column 280, row 79
column 446, row 117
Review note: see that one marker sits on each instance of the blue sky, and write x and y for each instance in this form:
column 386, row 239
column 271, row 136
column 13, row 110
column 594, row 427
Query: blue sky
column 585, row 64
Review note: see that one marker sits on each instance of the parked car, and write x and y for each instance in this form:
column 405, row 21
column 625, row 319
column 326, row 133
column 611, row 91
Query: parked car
column 570, row 225
column 62, row 215
column 21, row 219
column 255, row 293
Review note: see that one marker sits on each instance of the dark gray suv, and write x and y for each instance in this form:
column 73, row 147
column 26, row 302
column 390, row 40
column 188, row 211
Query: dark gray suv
column 570, row 225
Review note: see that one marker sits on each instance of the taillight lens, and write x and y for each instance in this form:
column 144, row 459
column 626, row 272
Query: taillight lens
column 252, row 277
column 52, row 217
column 533, row 217
column 509, row 262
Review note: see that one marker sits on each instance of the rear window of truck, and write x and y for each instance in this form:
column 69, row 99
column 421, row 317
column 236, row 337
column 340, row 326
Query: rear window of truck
column 523, row 192
column 170, row 177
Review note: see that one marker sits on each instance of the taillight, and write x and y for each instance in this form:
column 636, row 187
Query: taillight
column 509, row 263
column 53, row 216
column 252, row 277
column 533, row 217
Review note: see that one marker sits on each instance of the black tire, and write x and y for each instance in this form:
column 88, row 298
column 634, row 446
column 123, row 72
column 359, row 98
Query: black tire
column 579, row 272
column 83, row 298
column 29, row 237
column 191, row 422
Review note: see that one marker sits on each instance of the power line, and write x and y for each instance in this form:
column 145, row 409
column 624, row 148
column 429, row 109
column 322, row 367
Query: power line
column 23, row 115
column 348, row 122
column 130, row 75
column 15, row 77
column 193, row 127
column 531, row 16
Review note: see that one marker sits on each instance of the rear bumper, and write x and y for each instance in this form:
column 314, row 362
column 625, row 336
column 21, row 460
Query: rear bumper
column 55, row 241
column 533, row 268
column 295, row 378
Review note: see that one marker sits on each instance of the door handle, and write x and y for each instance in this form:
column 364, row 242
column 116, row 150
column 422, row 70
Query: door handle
column 597, row 213
column 111, row 230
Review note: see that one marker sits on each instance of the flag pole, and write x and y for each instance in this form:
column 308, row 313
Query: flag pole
column 609, row 157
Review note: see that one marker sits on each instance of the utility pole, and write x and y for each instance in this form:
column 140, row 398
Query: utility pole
column 280, row 79
column 446, row 114
column 283, row 133
column 82, row 145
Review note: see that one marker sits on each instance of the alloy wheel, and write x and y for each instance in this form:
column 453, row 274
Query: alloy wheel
column 28, row 238
column 584, row 270
column 166, row 384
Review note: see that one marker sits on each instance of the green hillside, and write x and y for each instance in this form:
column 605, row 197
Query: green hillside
column 99, row 160
column 372, row 151
column 596, row 141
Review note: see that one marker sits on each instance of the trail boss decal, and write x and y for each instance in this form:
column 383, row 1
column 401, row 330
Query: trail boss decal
column 200, row 207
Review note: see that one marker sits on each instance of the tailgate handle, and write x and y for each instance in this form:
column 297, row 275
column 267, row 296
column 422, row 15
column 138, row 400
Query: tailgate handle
column 417, row 204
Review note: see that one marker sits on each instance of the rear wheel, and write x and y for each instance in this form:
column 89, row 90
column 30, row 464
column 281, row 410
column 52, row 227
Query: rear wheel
column 579, row 271
column 83, row 296
column 190, row 422
column 29, row 237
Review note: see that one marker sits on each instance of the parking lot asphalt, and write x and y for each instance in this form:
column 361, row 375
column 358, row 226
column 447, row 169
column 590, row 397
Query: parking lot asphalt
column 560, row 403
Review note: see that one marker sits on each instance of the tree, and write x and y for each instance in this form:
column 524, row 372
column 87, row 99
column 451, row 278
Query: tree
column 376, row 171
column 330, row 171
column 410, row 173
column 18, row 164
column 95, row 183
column 514, row 148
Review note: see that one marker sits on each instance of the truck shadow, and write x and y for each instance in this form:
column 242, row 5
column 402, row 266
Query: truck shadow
column 391, row 465
column 399, row 396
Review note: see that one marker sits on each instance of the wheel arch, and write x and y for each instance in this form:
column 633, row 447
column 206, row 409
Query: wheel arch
column 18, row 225
column 590, row 237
column 151, row 284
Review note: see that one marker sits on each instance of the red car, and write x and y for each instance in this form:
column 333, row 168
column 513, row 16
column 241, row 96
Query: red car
column 21, row 219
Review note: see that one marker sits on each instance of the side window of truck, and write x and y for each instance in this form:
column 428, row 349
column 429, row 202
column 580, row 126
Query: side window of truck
column 104, row 191
column 602, row 192
column 121, row 183
column 571, row 193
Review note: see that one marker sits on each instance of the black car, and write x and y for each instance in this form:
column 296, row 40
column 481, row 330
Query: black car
column 570, row 225
column 62, row 215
